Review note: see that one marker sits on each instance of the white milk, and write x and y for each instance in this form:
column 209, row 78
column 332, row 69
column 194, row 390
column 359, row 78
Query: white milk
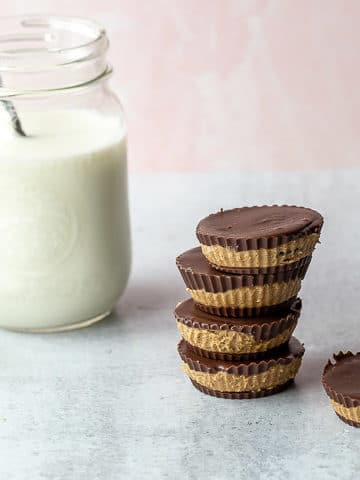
column 64, row 225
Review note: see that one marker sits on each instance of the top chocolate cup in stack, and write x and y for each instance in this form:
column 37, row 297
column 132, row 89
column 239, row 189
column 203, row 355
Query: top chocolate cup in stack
column 264, row 239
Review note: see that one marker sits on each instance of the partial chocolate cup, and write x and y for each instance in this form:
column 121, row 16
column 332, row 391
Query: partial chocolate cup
column 243, row 395
column 262, row 239
column 295, row 349
column 302, row 263
column 246, row 312
column 242, row 379
column 238, row 295
column 242, row 357
column 341, row 381
column 235, row 339
column 199, row 274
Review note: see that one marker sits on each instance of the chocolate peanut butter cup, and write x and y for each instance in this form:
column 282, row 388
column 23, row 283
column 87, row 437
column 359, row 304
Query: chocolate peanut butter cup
column 231, row 295
column 250, row 379
column 264, row 239
column 341, row 381
column 235, row 339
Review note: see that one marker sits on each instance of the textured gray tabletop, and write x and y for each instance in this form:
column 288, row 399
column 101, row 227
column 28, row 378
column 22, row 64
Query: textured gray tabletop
column 110, row 402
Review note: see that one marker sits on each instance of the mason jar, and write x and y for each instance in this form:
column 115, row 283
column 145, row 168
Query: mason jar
column 64, row 219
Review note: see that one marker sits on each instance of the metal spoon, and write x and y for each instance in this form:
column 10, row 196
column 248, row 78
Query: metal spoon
column 15, row 121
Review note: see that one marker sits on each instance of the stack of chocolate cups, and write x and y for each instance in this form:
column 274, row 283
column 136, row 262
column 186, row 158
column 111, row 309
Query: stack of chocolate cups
column 244, row 281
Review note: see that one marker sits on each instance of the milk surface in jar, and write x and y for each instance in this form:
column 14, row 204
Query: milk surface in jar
column 64, row 220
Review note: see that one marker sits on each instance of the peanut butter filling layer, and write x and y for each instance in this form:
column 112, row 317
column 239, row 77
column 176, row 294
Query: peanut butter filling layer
column 228, row 341
column 283, row 254
column 249, row 297
column 350, row 413
column 228, row 382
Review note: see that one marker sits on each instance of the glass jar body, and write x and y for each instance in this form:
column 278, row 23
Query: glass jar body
column 64, row 218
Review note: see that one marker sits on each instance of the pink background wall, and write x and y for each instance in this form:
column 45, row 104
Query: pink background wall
column 213, row 84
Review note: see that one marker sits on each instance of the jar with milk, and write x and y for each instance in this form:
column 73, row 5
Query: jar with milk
column 64, row 221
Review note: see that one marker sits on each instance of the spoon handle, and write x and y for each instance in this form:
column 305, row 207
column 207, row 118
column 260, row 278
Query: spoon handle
column 15, row 121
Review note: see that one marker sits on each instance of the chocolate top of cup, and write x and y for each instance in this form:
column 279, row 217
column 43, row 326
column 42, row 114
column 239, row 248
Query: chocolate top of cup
column 199, row 274
column 261, row 328
column 341, row 379
column 242, row 224
column 194, row 261
column 292, row 350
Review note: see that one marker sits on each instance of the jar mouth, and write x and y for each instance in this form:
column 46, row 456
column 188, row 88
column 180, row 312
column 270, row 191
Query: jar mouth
column 37, row 42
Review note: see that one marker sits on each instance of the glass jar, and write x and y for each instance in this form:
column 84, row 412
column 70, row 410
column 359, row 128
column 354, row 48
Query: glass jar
column 64, row 220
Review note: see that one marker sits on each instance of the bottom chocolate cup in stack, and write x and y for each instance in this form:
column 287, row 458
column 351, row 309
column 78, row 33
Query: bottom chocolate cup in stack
column 341, row 381
column 242, row 395
column 235, row 339
column 238, row 380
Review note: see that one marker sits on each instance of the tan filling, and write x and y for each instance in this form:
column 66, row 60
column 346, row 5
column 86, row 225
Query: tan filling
column 265, row 257
column 228, row 341
column 350, row 413
column 249, row 297
column 229, row 382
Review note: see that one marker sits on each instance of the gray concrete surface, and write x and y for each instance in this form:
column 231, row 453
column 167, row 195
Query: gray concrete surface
column 110, row 402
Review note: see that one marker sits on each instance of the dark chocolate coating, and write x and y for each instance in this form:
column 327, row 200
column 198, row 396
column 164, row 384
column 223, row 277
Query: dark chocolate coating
column 261, row 328
column 196, row 362
column 240, row 357
column 199, row 274
column 242, row 395
column 349, row 422
column 252, row 228
column 242, row 312
column 341, row 379
column 303, row 263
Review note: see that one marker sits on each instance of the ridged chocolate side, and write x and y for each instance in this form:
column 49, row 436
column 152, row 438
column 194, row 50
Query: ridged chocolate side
column 332, row 393
column 240, row 312
column 267, row 242
column 261, row 328
column 198, row 274
column 346, row 420
column 243, row 357
column 302, row 263
column 242, row 395
column 200, row 364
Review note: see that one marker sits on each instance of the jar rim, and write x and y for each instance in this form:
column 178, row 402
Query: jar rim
column 35, row 42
